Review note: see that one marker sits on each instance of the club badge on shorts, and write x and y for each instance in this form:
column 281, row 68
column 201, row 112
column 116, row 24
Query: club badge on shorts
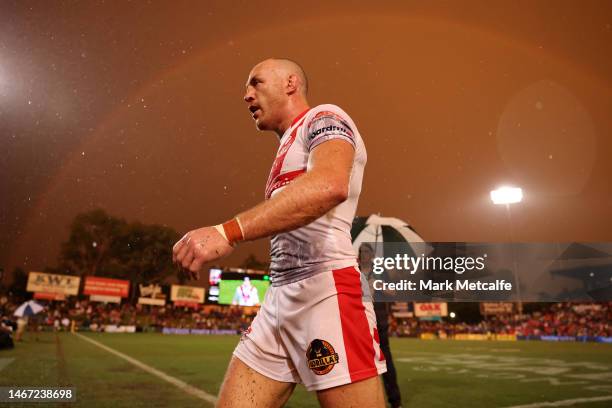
column 321, row 357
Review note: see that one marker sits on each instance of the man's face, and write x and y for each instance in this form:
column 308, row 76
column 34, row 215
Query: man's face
column 264, row 95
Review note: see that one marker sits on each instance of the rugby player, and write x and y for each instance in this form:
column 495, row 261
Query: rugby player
column 314, row 326
column 246, row 294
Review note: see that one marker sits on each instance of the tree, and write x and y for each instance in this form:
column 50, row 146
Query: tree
column 251, row 262
column 20, row 282
column 89, row 249
column 144, row 253
column 102, row 245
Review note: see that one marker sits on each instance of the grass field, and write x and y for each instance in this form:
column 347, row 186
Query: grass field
column 431, row 373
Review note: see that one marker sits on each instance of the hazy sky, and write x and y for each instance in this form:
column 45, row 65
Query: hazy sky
column 137, row 108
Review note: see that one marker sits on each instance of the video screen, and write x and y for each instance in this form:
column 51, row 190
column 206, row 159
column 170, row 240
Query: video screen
column 214, row 277
column 242, row 289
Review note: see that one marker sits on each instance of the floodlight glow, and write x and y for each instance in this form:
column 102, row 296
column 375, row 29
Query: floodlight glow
column 452, row 315
column 507, row 195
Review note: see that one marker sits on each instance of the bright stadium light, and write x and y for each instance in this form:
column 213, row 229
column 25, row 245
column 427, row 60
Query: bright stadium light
column 507, row 195
column 452, row 315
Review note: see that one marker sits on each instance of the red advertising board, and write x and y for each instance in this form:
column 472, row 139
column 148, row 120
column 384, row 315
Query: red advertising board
column 49, row 296
column 430, row 309
column 106, row 286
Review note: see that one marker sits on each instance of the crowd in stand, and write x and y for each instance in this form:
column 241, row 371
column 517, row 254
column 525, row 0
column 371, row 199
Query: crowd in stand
column 95, row 316
column 565, row 319
column 554, row 319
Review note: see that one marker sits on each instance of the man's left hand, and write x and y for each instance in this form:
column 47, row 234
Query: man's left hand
column 198, row 247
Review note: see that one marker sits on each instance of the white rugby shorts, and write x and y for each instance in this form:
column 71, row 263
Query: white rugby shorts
column 317, row 331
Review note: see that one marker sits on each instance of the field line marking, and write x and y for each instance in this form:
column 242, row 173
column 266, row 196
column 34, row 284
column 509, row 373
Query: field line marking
column 189, row 389
column 563, row 403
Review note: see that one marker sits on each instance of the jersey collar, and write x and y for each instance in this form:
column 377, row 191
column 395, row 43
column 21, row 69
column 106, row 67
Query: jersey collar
column 299, row 117
column 296, row 120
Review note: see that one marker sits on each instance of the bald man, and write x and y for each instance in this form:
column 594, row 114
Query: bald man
column 314, row 326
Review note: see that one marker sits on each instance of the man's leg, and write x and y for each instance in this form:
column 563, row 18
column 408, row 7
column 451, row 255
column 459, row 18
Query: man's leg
column 390, row 377
column 245, row 387
column 366, row 393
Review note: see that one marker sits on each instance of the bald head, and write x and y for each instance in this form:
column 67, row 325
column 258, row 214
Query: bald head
column 285, row 69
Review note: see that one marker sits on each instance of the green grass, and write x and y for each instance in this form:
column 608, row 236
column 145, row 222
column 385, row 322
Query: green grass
column 431, row 373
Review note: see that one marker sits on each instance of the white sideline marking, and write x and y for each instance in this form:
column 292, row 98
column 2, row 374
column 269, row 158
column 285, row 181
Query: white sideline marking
column 563, row 403
column 5, row 361
column 189, row 389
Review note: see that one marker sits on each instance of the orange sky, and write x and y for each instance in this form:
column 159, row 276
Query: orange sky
column 138, row 109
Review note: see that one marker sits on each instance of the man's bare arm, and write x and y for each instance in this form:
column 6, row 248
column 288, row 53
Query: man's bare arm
column 308, row 197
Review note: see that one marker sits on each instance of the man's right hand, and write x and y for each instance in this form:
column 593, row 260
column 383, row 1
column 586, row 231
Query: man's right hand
column 198, row 247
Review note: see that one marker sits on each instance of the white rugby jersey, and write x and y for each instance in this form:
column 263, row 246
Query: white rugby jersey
column 325, row 243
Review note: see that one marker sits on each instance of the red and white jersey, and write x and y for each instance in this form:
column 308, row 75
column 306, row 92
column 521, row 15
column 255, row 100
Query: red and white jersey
column 325, row 243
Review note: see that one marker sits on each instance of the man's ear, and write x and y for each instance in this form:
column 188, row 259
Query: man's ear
column 292, row 84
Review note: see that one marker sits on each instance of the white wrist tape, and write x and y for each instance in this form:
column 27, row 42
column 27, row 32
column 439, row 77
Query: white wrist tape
column 219, row 227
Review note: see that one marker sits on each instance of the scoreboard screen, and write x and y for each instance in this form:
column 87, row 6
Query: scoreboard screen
column 231, row 287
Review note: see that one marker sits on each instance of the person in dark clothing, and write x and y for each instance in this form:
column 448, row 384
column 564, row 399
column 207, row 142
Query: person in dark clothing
column 6, row 339
column 366, row 255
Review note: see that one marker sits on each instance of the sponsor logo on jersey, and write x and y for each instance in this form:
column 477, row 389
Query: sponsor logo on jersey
column 321, row 356
column 328, row 122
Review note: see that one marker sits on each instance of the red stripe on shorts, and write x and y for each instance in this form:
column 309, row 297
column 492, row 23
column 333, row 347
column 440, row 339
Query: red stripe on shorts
column 358, row 343
column 377, row 340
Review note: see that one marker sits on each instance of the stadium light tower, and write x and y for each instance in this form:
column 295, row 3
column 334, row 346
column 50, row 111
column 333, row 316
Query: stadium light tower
column 506, row 196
